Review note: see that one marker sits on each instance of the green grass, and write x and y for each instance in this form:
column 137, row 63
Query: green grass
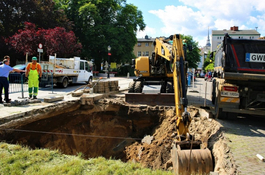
column 16, row 159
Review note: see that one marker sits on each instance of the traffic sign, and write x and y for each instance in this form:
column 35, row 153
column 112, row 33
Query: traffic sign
column 40, row 50
column 40, row 46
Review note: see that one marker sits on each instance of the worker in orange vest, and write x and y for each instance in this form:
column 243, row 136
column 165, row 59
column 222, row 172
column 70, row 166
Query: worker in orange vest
column 33, row 74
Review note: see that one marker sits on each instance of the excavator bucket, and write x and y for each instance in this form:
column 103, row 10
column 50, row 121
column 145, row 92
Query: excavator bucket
column 165, row 99
column 192, row 161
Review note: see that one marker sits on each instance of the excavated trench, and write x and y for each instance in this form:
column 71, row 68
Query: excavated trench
column 97, row 130
column 112, row 128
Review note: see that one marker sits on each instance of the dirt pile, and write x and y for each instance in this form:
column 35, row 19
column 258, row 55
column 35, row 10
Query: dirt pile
column 157, row 154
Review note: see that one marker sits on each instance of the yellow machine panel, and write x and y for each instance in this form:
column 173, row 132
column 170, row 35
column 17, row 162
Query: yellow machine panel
column 142, row 67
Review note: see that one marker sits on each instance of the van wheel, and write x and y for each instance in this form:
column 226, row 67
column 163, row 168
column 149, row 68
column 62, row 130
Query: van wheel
column 65, row 82
column 89, row 81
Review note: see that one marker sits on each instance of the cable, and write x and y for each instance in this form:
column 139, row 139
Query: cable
column 69, row 134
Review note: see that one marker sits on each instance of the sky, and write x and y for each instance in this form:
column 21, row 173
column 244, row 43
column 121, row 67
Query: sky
column 194, row 17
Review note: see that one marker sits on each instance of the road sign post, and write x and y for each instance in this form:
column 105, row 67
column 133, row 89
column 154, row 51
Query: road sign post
column 40, row 50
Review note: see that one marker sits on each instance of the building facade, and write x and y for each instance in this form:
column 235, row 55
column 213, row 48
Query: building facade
column 234, row 32
column 144, row 46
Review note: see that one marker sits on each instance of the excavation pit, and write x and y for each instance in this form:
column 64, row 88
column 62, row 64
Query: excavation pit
column 113, row 128
column 93, row 130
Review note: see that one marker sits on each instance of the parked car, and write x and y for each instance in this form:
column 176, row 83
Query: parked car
column 15, row 77
column 202, row 75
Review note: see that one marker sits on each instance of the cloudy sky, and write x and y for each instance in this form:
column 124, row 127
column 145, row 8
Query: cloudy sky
column 193, row 17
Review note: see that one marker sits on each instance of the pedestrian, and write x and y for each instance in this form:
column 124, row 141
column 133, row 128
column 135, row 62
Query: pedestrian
column 5, row 57
column 33, row 74
column 4, row 73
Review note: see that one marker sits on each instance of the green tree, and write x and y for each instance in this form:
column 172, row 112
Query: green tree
column 193, row 57
column 209, row 62
column 100, row 23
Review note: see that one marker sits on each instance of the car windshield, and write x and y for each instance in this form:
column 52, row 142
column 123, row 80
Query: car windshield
column 19, row 66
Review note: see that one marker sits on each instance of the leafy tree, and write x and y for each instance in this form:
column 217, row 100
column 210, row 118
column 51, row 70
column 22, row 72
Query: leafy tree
column 193, row 57
column 99, row 24
column 55, row 40
column 43, row 13
column 13, row 14
column 209, row 62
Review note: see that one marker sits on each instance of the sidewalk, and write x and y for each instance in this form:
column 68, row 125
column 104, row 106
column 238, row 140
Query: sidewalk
column 19, row 111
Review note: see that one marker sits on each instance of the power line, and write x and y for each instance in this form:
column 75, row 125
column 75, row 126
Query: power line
column 69, row 134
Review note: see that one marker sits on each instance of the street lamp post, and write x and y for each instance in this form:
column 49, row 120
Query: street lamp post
column 109, row 48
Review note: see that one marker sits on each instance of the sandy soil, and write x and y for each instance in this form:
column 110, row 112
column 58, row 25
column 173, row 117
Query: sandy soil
column 157, row 154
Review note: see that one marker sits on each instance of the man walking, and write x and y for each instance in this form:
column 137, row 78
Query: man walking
column 33, row 73
column 4, row 72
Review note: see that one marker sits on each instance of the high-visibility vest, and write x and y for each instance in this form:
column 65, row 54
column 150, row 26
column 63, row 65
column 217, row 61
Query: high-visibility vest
column 36, row 66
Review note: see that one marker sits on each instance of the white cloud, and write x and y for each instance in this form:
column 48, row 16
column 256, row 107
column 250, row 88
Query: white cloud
column 195, row 16
column 147, row 31
column 181, row 19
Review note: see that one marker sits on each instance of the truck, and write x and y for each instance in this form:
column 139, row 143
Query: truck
column 64, row 71
column 239, row 78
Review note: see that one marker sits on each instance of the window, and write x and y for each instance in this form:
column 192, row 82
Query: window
column 139, row 44
column 147, row 44
column 82, row 65
column 139, row 53
column 143, row 53
column 87, row 67
column 147, row 53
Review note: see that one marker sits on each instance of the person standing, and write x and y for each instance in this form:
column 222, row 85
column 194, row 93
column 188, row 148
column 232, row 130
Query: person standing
column 4, row 73
column 33, row 74
column 5, row 57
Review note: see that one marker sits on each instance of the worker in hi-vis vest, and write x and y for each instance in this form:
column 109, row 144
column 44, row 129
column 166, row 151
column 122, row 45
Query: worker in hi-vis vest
column 33, row 74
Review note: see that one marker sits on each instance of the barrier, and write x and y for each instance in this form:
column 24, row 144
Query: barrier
column 17, row 83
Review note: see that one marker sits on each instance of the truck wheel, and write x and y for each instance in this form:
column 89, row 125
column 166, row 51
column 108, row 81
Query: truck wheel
column 131, row 87
column 214, row 92
column 64, row 84
column 219, row 114
column 138, row 87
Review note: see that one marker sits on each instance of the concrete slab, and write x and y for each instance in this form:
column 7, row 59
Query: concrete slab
column 53, row 99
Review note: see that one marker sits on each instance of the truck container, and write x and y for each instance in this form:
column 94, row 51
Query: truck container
column 239, row 83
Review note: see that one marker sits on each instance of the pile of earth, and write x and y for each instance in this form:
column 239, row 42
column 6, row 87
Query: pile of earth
column 157, row 154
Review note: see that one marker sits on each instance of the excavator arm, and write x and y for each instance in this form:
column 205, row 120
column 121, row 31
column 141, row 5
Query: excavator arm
column 186, row 157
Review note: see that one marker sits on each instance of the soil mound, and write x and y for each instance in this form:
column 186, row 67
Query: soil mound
column 157, row 153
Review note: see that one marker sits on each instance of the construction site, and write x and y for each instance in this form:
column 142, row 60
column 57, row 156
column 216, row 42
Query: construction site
column 113, row 128
column 156, row 120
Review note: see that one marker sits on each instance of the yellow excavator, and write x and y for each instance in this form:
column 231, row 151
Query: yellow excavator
column 161, row 80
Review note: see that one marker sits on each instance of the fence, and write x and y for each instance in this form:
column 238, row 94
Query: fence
column 17, row 83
